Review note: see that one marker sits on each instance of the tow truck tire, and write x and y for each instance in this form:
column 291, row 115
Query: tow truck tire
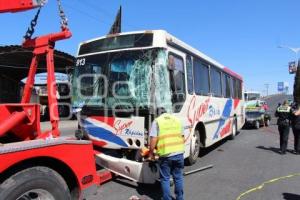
column 195, row 148
column 35, row 183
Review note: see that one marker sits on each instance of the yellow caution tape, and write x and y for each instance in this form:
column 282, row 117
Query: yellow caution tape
column 259, row 187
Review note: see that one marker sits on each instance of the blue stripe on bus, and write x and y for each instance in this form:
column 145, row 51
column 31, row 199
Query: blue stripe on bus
column 103, row 134
column 224, row 117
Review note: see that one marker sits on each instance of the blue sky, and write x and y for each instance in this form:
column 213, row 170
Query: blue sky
column 241, row 34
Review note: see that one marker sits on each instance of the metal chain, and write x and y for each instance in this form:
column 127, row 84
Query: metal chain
column 64, row 20
column 33, row 23
column 42, row 2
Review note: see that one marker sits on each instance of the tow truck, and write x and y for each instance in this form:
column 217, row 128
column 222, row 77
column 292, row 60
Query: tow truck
column 36, row 164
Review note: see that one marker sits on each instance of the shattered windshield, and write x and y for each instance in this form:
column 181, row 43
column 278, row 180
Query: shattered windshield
column 122, row 79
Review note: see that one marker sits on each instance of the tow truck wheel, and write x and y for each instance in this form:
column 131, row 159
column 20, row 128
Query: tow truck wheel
column 195, row 148
column 35, row 183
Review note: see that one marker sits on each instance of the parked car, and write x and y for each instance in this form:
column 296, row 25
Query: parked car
column 257, row 114
column 256, row 119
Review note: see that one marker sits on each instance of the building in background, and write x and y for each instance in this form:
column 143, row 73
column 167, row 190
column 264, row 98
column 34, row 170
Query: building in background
column 40, row 94
column 14, row 66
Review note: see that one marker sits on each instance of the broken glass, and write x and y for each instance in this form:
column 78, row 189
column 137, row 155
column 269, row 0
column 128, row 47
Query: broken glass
column 162, row 82
column 129, row 76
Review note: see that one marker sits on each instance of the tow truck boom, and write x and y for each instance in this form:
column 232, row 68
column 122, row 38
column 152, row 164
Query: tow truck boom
column 48, row 165
column 19, row 5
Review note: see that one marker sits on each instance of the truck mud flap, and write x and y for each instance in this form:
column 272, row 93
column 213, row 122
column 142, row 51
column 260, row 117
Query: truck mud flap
column 141, row 172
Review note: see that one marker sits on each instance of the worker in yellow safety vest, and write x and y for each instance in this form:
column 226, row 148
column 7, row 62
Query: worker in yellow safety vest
column 166, row 135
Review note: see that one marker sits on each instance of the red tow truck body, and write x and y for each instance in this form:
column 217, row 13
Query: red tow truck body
column 25, row 149
column 72, row 159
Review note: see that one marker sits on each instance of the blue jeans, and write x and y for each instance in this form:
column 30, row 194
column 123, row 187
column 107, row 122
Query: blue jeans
column 171, row 166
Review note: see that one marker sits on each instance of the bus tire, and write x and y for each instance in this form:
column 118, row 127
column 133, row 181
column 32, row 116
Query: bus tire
column 194, row 148
column 234, row 129
column 35, row 183
column 257, row 125
column 267, row 122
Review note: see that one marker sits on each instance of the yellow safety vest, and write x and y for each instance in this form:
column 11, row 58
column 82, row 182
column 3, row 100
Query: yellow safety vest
column 170, row 138
column 284, row 109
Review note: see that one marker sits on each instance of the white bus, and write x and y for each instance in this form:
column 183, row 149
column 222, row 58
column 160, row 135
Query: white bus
column 121, row 79
column 251, row 95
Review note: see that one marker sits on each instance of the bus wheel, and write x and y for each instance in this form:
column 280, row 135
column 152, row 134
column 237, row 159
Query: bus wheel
column 267, row 122
column 257, row 125
column 35, row 183
column 234, row 129
column 194, row 148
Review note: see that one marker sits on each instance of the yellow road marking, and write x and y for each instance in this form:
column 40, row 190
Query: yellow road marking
column 259, row 187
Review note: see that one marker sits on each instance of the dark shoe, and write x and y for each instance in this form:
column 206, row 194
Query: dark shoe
column 296, row 152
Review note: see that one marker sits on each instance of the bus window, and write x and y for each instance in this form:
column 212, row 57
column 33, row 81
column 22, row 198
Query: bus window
column 201, row 78
column 234, row 88
column 226, row 85
column 189, row 71
column 176, row 68
column 240, row 90
column 237, row 89
column 216, row 86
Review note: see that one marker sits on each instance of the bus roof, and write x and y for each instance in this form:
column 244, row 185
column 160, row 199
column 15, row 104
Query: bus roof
column 162, row 38
column 252, row 92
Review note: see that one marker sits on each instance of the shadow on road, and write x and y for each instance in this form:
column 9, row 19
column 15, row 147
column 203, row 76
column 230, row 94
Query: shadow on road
column 273, row 149
column 144, row 191
column 205, row 151
column 289, row 196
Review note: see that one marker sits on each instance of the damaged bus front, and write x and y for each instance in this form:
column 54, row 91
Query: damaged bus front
column 119, row 82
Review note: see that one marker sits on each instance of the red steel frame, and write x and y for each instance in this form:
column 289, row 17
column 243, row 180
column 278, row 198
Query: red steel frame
column 81, row 166
column 17, row 5
column 15, row 116
column 44, row 46
column 23, row 120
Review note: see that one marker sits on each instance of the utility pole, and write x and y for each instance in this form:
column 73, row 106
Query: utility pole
column 267, row 88
column 296, row 92
column 296, row 50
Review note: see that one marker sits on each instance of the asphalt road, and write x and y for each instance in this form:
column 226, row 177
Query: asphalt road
column 66, row 127
column 239, row 165
column 247, row 168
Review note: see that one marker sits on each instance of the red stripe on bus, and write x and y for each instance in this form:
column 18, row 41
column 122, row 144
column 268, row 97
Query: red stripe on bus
column 107, row 120
column 232, row 73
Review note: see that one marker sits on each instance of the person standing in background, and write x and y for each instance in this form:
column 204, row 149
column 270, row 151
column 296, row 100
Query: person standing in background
column 283, row 113
column 295, row 121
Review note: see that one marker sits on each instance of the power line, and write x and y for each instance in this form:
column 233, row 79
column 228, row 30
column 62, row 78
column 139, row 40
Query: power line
column 95, row 7
column 85, row 13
